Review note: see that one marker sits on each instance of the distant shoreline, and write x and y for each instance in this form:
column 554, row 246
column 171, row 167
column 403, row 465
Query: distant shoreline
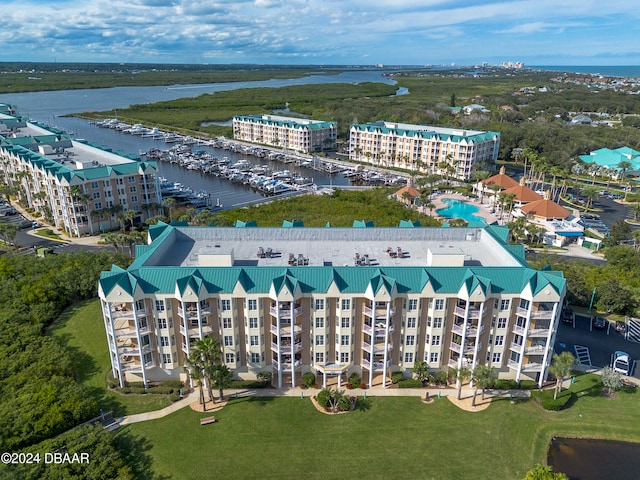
column 628, row 71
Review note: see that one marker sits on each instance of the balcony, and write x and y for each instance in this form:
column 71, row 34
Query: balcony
column 380, row 329
column 457, row 329
column 523, row 312
column 131, row 367
column 466, row 362
column 512, row 364
column 380, row 313
column 192, row 312
column 376, row 365
column 535, row 350
column 542, row 314
column 474, row 313
column 378, row 348
column 471, row 349
column 286, row 347
column 194, row 332
column 515, row 347
column 454, row 347
column 285, row 365
column 130, row 350
column 459, row 311
column 285, row 313
column 539, row 332
column 285, row 330
column 531, row 367
column 519, row 330
column 472, row 330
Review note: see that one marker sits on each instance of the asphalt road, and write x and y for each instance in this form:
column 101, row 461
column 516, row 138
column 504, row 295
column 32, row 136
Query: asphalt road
column 601, row 343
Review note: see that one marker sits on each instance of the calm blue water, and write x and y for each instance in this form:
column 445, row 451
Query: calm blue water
column 458, row 209
column 629, row 71
column 49, row 108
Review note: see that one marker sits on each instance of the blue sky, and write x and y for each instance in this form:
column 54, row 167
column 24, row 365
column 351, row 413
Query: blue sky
column 416, row 32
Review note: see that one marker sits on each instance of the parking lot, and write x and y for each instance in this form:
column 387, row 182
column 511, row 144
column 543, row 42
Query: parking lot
column 600, row 343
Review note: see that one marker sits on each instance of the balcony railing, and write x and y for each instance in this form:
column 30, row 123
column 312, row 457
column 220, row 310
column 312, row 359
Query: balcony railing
column 531, row 367
column 285, row 313
column 454, row 347
column 518, row 329
column 380, row 329
column 457, row 328
column 380, row 312
column 459, row 311
column 515, row 347
column 286, row 347
column 539, row 332
column 512, row 364
column 286, row 365
column 468, row 349
column 285, row 330
column 542, row 314
column 376, row 365
column 523, row 312
column 472, row 331
column 535, row 350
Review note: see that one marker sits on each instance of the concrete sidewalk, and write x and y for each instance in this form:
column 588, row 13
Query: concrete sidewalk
column 309, row 392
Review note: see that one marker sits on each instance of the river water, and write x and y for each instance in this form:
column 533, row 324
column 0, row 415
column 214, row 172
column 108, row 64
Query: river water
column 49, row 108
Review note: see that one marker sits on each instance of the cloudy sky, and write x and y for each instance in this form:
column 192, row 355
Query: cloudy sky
column 417, row 32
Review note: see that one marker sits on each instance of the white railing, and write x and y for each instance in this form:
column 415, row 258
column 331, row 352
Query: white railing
column 474, row 313
column 523, row 312
column 457, row 329
column 515, row 347
column 472, row 331
column 535, row 350
column 512, row 364
column 531, row 367
column 518, row 329
column 542, row 314
column 455, row 347
column 459, row 311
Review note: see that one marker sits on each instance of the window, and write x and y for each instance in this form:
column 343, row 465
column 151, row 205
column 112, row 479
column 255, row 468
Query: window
column 413, row 304
column 319, row 322
column 164, row 342
column 433, row 358
column 490, row 342
column 437, row 322
column 253, row 322
column 254, row 340
column 435, row 340
column 229, row 358
column 439, row 304
column 226, row 323
column 132, row 189
column 140, row 304
column 173, row 341
column 344, row 357
column 346, row 304
column 411, row 322
column 159, row 306
column 319, row 303
column 96, row 195
column 94, row 185
column 499, row 340
column 319, row 339
column 134, row 199
column 344, row 340
column 504, row 304
column 228, row 340
column 408, row 357
column 524, row 304
column 162, row 323
column 255, row 357
column 345, row 322
column 502, row 323
column 148, row 358
column 175, row 357
column 319, row 357
column 426, row 339
column 411, row 340
column 131, row 179
column 225, row 305
column 97, row 206
column 496, row 357
column 166, row 358
column 252, row 304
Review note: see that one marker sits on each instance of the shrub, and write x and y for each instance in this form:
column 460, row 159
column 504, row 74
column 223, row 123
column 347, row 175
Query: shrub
column 174, row 397
column 396, row 377
column 441, row 378
column 265, row 377
column 528, row 384
column 344, row 404
column 309, row 380
column 323, row 397
column 505, row 384
column 354, row 380
column 249, row 384
column 410, row 383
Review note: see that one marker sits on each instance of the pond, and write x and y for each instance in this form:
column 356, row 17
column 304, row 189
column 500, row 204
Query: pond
column 589, row 459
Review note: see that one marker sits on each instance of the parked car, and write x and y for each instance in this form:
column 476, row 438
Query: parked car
column 599, row 322
column 621, row 362
column 567, row 314
column 621, row 327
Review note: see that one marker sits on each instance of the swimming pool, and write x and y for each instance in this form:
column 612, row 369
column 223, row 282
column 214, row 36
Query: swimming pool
column 458, row 209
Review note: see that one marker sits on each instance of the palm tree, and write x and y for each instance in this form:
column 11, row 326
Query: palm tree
column 560, row 368
column 193, row 366
column 624, row 166
column 210, row 352
column 170, row 204
column 635, row 235
column 221, row 378
column 483, row 378
column 113, row 239
column 591, row 192
column 461, row 374
column 130, row 215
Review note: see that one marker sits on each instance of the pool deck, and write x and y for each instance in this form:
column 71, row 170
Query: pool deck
column 484, row 208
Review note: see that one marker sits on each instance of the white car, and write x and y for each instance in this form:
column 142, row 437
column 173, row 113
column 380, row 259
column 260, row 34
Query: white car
column 621, row 362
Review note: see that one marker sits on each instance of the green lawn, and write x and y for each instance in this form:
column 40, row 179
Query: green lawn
column 81, row 328
column 392, row 437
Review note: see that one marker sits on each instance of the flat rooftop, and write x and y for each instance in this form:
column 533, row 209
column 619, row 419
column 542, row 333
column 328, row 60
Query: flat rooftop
column 58, row 147
column 396, row 247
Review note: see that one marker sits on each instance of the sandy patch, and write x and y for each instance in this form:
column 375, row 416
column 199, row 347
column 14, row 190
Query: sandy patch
column 466, row 403
column 208, row 406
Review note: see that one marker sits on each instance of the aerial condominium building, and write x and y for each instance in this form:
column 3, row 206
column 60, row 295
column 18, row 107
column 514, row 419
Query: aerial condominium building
column 298, row 134
column 332, row 301
column 451, row 152
column 75, row 186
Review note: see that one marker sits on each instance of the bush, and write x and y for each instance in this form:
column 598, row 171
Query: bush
column 265, row 377
column 441, row 378
column 174, row 397
column 545, row 399
column 344, row 404
column 505, row 384
column 309, row 380
column 528, row 384
column 397, row 376
column 323, row 397
column 410, row 383
column 354, row 380
column 249, row 384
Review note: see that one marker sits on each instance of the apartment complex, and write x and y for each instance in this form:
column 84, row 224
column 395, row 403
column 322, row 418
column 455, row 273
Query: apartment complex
column 445, row 151
column 298, row 134
column 332, row 301
column 75, row 186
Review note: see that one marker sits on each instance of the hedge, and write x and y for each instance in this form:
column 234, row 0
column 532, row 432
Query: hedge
column 410, row 383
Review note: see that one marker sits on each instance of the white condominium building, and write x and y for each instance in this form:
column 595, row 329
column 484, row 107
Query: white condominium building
column 420, row 148
column 332, row 301
column 75, row 186
column 298, row 134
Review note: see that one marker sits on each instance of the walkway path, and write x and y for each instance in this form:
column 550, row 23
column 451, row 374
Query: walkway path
column 465, row 404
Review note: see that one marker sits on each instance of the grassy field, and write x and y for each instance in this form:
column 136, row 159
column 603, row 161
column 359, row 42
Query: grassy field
column 393, row 437
column 82, row 330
